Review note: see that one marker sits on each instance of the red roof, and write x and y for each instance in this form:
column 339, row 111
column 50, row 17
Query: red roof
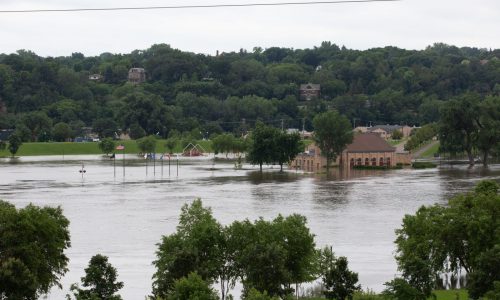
column 369, row 142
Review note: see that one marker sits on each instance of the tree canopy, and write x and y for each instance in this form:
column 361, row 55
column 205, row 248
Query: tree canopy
column 32, row 245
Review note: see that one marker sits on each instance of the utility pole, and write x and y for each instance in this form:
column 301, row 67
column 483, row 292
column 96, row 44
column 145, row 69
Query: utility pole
column 282, row 125
column 303, row 125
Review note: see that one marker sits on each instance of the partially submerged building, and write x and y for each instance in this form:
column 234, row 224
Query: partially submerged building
column 366, row 149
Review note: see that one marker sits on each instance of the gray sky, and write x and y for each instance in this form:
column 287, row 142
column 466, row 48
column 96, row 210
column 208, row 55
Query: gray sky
column 410, row 24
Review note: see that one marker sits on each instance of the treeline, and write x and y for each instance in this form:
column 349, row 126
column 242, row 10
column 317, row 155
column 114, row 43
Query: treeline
column 52, row 98
column 271, row 258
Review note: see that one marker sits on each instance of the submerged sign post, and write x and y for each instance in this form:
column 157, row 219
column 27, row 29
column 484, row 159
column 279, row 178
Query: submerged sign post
column 121, row 147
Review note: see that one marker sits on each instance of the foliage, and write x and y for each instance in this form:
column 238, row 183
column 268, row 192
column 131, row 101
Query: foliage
column 463, row 235
column 254, row 294
column 107, row 145
column 147, row 144
column 399, row 289
column 14, row 143
column 223, row 143
column 397, row 135
column 136, row 131
column 62, row 132
column 192, row 287
column 100, row 279
column 421, row 136
column 332, row 133
column 338, row 280
column 288, row 146
column 423, row 165
column 263, row 146
column 32, row 244
column 195, row 247
column 170, row 144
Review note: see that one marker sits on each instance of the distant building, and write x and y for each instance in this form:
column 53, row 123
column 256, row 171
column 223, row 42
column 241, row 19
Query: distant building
column 96, row 77
column 385, row 131
column 137, row 75
column 309, row 91
column 5, row 134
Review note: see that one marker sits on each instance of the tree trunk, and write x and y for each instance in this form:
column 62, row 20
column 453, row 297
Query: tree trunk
column 471, row 158
column 260, row 167
column 281, row 167
column 485, row 159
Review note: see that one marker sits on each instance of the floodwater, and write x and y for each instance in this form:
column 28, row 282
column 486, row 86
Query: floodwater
column 125, row 217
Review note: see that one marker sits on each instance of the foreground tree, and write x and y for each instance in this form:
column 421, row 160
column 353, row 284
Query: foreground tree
column 32, row 244
column 332, row 133
column 463, row 236
column 338, row 280
column 61, row 132
column 192, row 287
column 195, row 247
column 100, row 281
column 147, row 144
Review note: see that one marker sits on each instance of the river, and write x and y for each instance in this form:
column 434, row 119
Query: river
column 125, row 217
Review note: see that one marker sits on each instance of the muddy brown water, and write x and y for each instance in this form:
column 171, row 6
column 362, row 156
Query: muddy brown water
column 125, row 217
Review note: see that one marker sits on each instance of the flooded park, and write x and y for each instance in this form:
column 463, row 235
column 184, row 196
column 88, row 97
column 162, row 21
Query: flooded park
column 122, row 213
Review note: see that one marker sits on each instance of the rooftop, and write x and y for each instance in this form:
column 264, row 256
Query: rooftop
column 369, row 142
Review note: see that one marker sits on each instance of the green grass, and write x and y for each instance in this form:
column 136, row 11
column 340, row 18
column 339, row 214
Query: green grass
column 396, row 142
column 440, row 295
column 423, row 165
column 33, row 149
column 451, row 295
column 431, row 151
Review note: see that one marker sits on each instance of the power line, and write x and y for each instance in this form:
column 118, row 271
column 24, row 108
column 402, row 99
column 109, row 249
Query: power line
column 192, row 6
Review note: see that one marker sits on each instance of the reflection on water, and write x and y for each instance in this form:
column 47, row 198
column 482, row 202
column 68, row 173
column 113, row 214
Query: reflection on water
column 356, row 211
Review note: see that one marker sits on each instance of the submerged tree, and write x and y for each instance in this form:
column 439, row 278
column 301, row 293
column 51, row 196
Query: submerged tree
column 332, row 133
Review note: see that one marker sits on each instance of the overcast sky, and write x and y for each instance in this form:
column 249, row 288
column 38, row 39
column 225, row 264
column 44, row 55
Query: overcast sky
column 410, row 24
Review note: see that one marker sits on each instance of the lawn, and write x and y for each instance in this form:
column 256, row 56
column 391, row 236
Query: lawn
column 33, row 149
column 440, row 295
column 431, row 151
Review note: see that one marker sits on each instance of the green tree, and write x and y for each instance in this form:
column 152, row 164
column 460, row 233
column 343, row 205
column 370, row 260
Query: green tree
column 100, row 281
column 32, row 244
column 37, row 123
column 147, row 144
column 287, row 148
column 195, row 247
column 105, row 127
column 396, row 135
column 62, row 132
column 14, row 143
column 332, row 133
column 192, row 287
column 107, row 145
column 399, row 288
column 458, row 127
column 461, row 236
column 338, row 280
column 136, row 131
column 489, row 127
column 223, row 143
column 263, row 147
column 171, row 143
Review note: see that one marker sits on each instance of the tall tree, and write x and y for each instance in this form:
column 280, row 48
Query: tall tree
column 332, row 133
column 32, row 244
column 458, row 126
column 287, row 147
column 107, row 145
column 263, row 148
column 489, row 126
column 100, row 281
column 461, row 236
column 14, row 143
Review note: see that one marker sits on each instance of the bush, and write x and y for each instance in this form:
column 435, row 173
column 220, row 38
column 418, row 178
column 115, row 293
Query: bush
column 423, row 165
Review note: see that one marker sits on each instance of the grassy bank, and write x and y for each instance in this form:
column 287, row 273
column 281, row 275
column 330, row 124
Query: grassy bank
column 34, row 149
column 429, row 153
column 440, row 295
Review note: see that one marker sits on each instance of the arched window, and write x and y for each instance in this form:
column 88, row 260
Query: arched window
column 374, row 161
column 381, row 161
column 358, row 162
column 352, row 162
column 367, row 162
column 388, row 161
